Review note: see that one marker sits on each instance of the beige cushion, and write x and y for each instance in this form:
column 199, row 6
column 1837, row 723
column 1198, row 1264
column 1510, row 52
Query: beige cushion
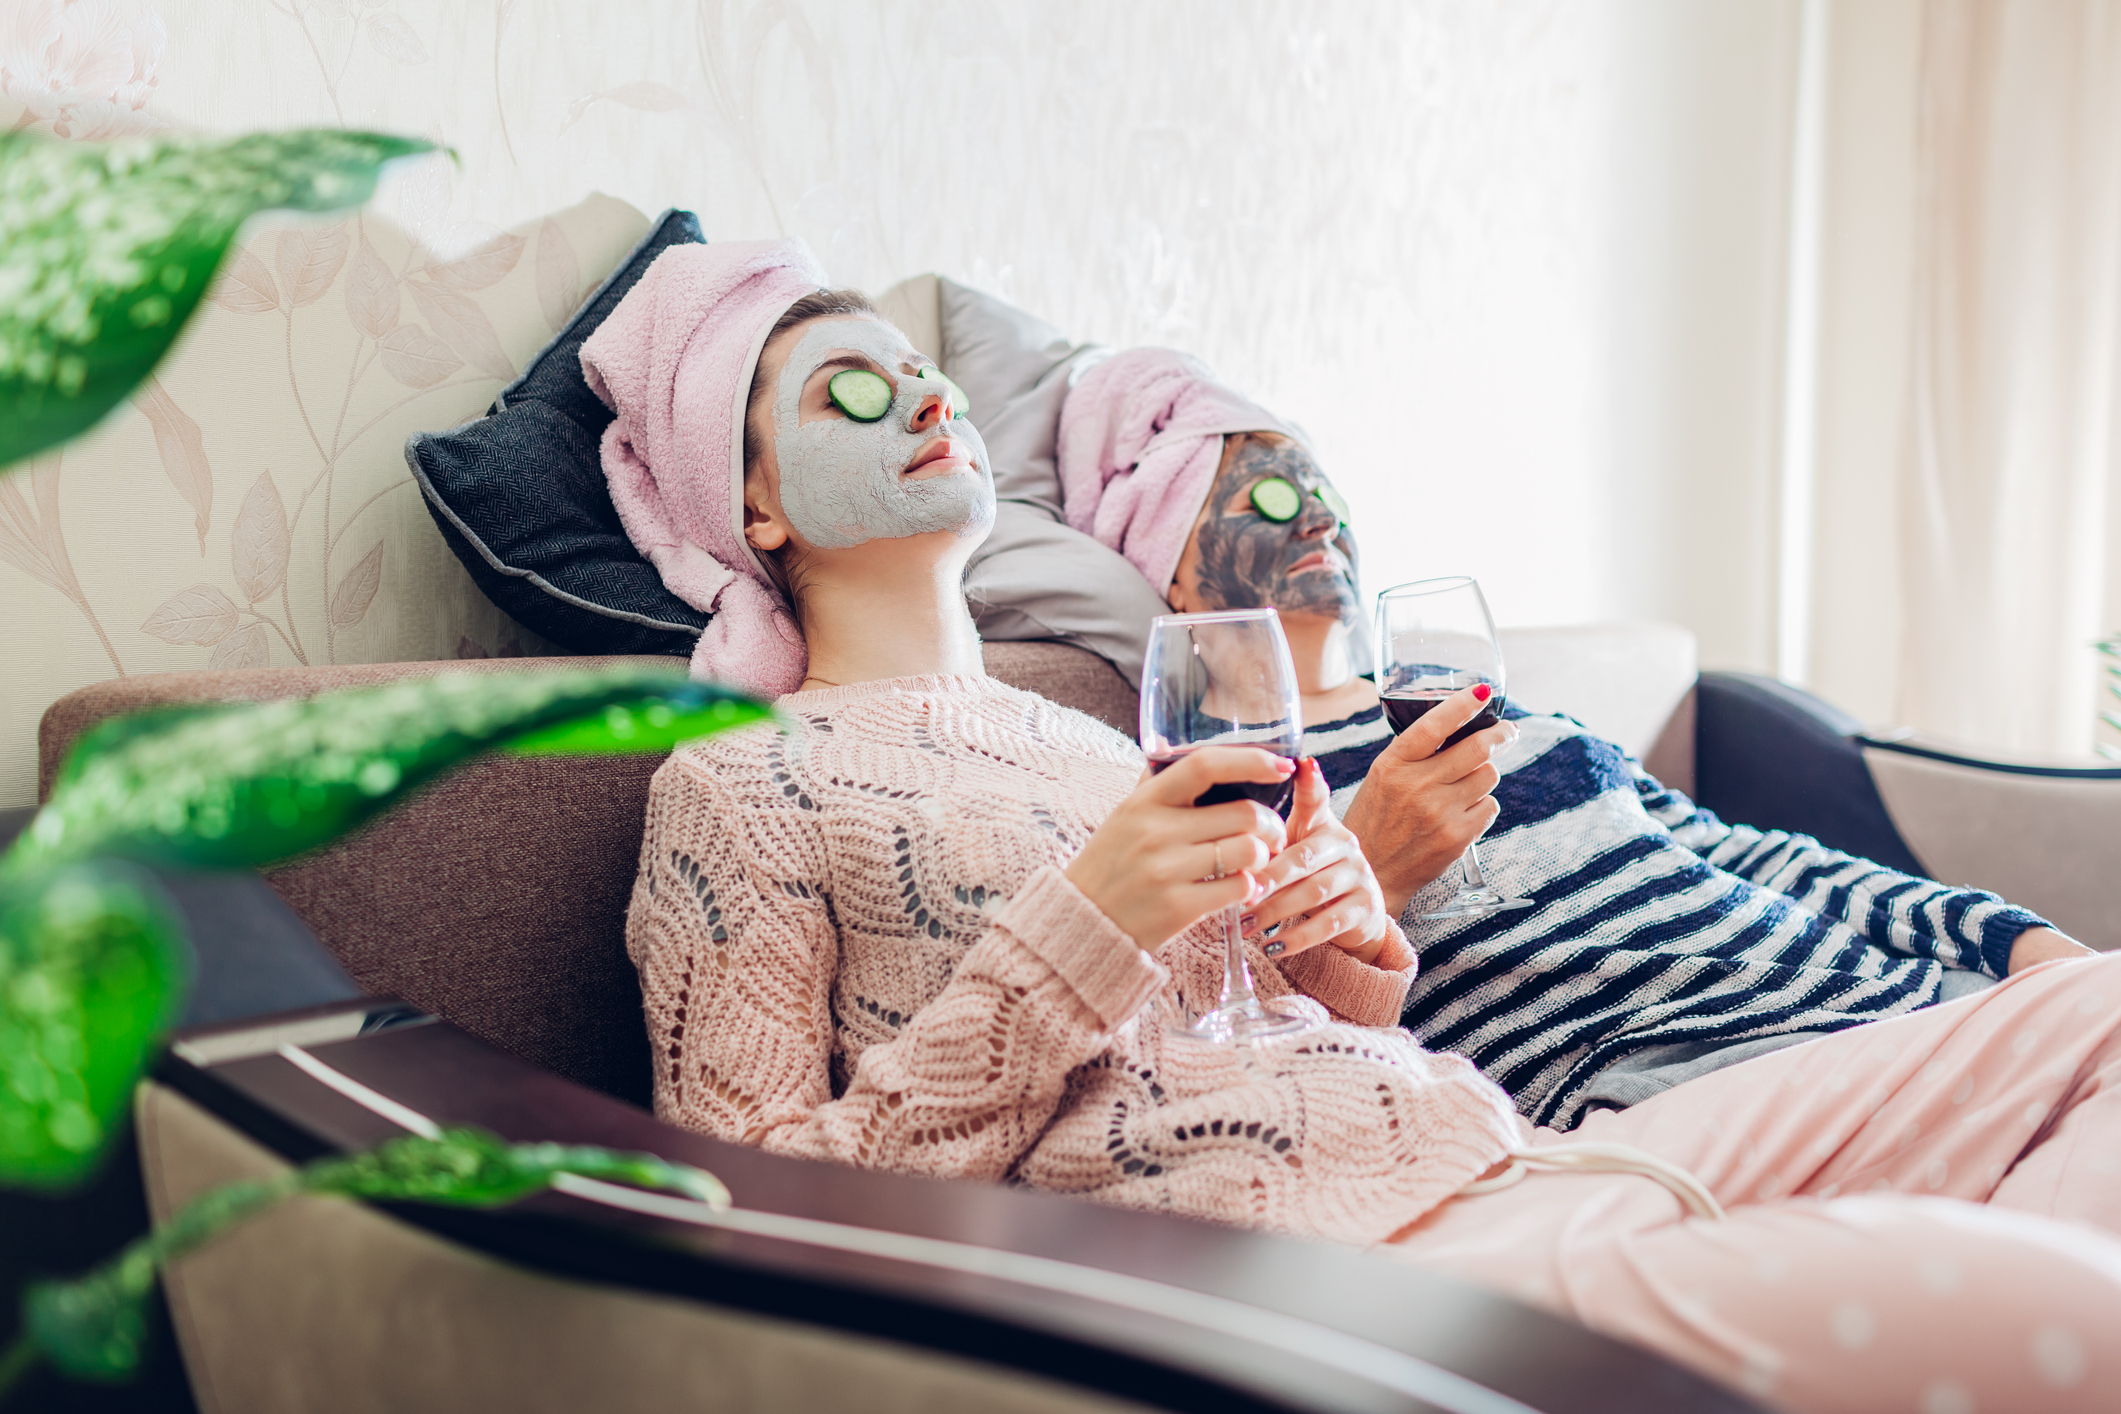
column 1632, row 683
column 251, row 506
column 2048, row 843
column 914, row 306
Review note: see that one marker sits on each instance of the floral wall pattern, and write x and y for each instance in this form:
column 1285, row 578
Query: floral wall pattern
column 1449, row 239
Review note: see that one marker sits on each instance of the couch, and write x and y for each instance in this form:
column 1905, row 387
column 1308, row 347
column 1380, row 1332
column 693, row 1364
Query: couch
column 462, row 959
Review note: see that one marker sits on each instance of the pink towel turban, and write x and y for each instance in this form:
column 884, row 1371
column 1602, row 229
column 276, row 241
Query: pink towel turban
column 674, row 361
column 1140, row 439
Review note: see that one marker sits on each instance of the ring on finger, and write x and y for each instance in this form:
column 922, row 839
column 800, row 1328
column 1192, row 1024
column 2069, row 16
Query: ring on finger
column 1218, row 859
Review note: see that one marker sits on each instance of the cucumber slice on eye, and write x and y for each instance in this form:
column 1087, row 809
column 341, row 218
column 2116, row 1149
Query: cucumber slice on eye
column 960, row 405
column 1333, row 501
column 862, row 395
column 1276, row 499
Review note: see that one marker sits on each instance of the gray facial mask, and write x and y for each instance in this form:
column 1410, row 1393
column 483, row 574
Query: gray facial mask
column 842, row 481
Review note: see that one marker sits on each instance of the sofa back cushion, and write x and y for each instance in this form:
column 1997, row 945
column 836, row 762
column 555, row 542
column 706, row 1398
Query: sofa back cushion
column 497, row 898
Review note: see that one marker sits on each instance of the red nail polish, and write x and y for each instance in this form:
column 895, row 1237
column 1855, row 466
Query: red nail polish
column 1482, row 692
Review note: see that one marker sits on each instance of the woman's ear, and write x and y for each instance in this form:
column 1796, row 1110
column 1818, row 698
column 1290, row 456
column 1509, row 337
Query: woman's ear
column 764, row 527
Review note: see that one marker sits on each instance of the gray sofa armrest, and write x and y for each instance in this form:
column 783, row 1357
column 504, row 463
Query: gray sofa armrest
column 2045, row 835
column 1777, row 758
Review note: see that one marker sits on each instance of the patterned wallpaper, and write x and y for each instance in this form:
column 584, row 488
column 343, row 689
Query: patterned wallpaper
column 1415, row 226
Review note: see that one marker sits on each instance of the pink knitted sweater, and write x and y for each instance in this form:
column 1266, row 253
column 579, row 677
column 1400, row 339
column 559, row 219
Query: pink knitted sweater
column 855, row 943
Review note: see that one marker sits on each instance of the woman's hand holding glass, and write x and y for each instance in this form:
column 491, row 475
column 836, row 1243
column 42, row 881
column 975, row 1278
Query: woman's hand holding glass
column 1159, row 864
column 1322, row 889
column 1419, row 807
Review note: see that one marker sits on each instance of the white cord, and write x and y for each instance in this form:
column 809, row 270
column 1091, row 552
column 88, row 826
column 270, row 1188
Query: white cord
column 1590, row 1157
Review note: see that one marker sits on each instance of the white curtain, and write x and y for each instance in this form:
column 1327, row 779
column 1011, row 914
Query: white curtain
column 2009, row 491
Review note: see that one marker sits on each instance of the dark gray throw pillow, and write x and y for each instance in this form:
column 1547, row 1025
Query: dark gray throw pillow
column 520, row 494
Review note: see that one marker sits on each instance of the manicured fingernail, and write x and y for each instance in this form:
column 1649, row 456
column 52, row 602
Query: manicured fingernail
column 1275, row 949
column 1246, row 922
column 1482, row 692
column 1284, row 765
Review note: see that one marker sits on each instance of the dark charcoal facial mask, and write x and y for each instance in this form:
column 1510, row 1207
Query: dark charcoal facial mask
column 1245, row 558
column 843, row 482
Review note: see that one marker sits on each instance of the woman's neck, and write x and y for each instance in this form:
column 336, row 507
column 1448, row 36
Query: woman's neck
column 1325, row 671
column 888, row 615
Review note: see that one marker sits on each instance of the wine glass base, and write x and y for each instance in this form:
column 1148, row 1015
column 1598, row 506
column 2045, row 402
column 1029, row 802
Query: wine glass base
column 1245, row 1024
column 1478, row 903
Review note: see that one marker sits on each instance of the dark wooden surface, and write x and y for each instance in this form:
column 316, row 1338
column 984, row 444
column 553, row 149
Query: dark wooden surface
column 1179, row 1361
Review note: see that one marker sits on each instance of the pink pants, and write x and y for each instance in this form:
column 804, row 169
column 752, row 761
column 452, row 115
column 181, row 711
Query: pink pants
column 1921, row 1213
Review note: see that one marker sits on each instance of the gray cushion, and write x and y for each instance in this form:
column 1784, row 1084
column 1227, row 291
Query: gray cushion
column 1036, row 579
column 520, row 496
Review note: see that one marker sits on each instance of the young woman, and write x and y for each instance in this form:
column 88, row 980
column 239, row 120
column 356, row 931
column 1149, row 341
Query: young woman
column 937, row 925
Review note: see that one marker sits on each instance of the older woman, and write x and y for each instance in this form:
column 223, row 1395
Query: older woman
column 1665, row 944
column 938, row 924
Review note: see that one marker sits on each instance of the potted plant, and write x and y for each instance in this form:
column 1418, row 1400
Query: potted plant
column 105, row 252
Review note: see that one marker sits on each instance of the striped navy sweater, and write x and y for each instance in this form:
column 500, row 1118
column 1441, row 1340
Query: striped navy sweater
column 1655, row 922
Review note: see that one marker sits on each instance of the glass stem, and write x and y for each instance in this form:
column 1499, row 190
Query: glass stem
column 1237, row 977
column 1469, row 865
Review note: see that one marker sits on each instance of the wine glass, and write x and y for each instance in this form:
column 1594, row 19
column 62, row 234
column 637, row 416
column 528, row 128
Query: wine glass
column 1434, row 638
column 1226, row 679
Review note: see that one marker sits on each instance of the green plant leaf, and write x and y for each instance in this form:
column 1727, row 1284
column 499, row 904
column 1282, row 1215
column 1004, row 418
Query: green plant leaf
column 469, row 1168
column 95, row 1326
column 107, row 249
column 91, row 963
column 91, row 957
column 251, row 785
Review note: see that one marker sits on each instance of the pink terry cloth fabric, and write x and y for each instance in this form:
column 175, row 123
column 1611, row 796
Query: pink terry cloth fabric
column 1140, row 439
column 674, row 361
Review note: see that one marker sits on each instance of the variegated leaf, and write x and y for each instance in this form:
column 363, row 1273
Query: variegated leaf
column 308, row 259
column 395, row 38
column 417, row 358
column 357, row 589
column 247, row 647
column 464, row 327
column 371, row 293
column 182, row 449
column 259, row 544
column 482, row 267
column 245, row 285
column 201, row 614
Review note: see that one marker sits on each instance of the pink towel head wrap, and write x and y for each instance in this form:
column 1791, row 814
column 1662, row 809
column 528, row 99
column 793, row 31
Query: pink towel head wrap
column 1140, row 439
column 675, row 362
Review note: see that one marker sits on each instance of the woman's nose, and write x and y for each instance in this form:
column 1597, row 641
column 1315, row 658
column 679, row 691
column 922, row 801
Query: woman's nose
column 1319, row 521
column 931, row 412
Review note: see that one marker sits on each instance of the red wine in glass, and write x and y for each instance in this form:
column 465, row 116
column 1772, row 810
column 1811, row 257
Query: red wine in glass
column 1277, row 796
column 1408, row 706
column 1436, row 638
column 1226, row 679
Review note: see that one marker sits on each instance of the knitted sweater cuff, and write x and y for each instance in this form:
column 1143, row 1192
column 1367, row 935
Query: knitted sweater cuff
column 1101, row 964
column 1368, row 994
